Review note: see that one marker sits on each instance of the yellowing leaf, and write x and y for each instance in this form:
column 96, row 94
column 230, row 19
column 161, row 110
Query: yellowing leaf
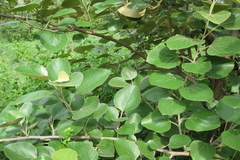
column 62, row 77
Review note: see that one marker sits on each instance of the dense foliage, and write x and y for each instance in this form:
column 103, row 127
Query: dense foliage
column 144, row 79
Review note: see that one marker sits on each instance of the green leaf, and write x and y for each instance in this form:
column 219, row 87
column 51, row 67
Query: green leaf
column 146, row 150
column 162, row 57
column 115, row 25
column 45, row 151
column 83, row 24
column 12, row 122
column 82, row 49
column 65, row 154
column 197, row 92
column 128, row 73
column 58, row 111
column 217, row 6
column 76, row 79
column 180, row 42
column 43, row 158
column 155, row 93
column 224, row 46
column 126, row 129
column 24, row 7
column 170, row 106
column 64, row 12
column 137, row 5
column 66, row 21
column 85, row 150
column 202, row 121
column 156, row 122
column 118, row 82
column 135, row 119
column 125, row 158
column 128, row 98
column 96, row 133
column 166, row 80
column 198, row 67
column 201, row 151
column 33, row 96
column 56, row 66
column 92, row 79
column 20, row 151
column 126, row 148
column 231, row 138
column 113, row 2
column 221, row 67
column 90, row 105
column 64, row 124
column 232, row 23
column 228, row 108
column 70, row 3
column 14, row 114
column 106, row 148
column 178, row 141
column 52, row 40
column 111, row 114
column 35, row 71
column 100, row 111
column 78, row 38
column 216, row 18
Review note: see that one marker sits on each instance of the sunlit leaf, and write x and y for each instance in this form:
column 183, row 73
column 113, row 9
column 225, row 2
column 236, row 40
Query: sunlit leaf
column 231, row 138
column 178, row 140
column 35, row 71
column 216, row 18
column 65, row 154
column 201, row 151
column 170, row 106
column 126, row 148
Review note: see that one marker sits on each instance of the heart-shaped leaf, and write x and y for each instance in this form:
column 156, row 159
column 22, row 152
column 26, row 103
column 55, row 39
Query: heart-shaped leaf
column 166, row 80
column 224, row 46
column 128, row 73
column 162, row 57
column 181, row 42
column 128, row 98
column 52, row 40
column 201, row 151
column 197, row 92
column 170, row 106
column 199, row 66
column 178, row 141
column 202, row 121
column 156, row 122
column 126, row 148
column 65, row 154
column 232, row 138
column 216, row 18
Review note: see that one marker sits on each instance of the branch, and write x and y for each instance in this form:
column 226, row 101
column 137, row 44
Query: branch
column 173, row 153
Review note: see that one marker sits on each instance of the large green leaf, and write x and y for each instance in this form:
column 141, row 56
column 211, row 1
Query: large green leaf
column 199, row 66
column 181, row 42
column 233, row 23
column 56, row 66
column 170, row 106
column 24, row 7
column 90, row 105
column 126, row 129
column 224, row 46
column 126, row 148
column 231, row 138
column 52, row 40
column 92, row 79
column 20, row 151
column 76, row 79
column 64, row 12
column 221, row 67
column 146, row 150
column 33, row 96
column 128, row 73
column 201, row 151
column 202, row 121
column 45, row 151
column 65, row 154
column 197, row 92
column 162, row 57
column 228, row 108
column 135, row 120
column 155, row 93
column 216, row 18
column 85, row 150
column 106, row 148
column 35, row 71
column 178, row 141
column 128, row 98
column 156, row 122
column 166, row 80
column 100, row 111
